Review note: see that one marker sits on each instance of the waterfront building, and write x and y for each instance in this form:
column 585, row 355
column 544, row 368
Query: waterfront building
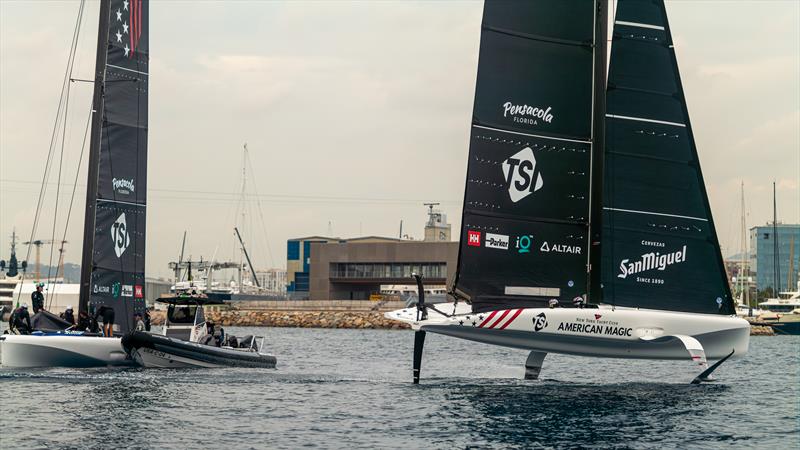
column 332, row 268
column 437, row 228
column 762, row 261
column 325, row 268
column 272, row 280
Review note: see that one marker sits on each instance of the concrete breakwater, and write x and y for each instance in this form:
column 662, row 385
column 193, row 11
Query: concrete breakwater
column 296, row 319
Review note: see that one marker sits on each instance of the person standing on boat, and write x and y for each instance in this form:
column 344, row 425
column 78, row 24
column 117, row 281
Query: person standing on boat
column 147, row 319
column 137, row 319
column 20, row 320
column 107, row 313
column 37, row 298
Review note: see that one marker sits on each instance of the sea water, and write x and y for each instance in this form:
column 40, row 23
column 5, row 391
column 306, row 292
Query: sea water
column 352, row 388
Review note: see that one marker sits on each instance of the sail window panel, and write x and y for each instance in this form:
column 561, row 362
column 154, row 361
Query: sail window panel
column 521, row 176
column 659, row 271
column 643, row 66
column 556, row 19
column 650, row 185
column 645, row 107
column 640, row 11
column 123, row 164
column 649, row 140
column 534, row 87
column 497, row 254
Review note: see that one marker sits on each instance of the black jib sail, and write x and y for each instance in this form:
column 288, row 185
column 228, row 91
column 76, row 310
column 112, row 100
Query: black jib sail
column 525, row 224
column 660, row 249
column 120, row 180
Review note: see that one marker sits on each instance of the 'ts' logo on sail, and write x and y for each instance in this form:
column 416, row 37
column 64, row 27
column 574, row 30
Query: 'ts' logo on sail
column 119, row 235
column 520, row 174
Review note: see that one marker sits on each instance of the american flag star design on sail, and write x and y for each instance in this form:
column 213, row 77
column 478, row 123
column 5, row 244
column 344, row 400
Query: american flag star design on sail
column 129, row 25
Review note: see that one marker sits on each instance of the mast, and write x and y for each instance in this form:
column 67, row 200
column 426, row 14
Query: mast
column 244, row 250
column 244, row 208
column 594, row 286
column 776, row 259
column 743, row 285
column 94, row 157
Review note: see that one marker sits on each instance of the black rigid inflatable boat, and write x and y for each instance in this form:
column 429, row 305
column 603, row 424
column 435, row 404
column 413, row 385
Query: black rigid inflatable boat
column 188, row 340
column 153, row 350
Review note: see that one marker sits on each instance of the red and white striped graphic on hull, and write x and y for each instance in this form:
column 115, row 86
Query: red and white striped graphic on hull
column 502, row 317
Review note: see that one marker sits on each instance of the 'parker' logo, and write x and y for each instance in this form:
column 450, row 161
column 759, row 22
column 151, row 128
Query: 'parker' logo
column 521, row 177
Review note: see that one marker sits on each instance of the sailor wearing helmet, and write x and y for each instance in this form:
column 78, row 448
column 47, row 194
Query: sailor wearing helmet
column 37, row 298
column 20, row 320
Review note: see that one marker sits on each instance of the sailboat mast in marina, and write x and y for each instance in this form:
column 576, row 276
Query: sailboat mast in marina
column 586, row 226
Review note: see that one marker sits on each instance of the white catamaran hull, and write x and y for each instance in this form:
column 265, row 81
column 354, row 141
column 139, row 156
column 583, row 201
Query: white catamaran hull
column 600, row 332
column 26, row 351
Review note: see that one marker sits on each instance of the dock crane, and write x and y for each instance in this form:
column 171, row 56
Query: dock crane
column 38, row 243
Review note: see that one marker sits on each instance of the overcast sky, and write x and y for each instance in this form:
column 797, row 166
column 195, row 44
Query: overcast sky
column 355, row 113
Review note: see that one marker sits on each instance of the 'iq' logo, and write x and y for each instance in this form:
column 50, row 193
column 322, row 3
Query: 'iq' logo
column 524, row 243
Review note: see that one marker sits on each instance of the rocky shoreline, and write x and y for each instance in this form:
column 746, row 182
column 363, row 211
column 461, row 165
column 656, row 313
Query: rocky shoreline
column 297, row 319
column 329, row 319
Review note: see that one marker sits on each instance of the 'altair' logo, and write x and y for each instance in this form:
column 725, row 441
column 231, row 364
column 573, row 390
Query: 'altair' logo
column 529, row 115
column 119, row 235
column 521, row 177
column 651, row 261
column 123, row 186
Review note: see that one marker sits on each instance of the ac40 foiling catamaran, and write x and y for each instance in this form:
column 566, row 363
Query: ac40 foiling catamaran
column 593, row 190
column 112, row 266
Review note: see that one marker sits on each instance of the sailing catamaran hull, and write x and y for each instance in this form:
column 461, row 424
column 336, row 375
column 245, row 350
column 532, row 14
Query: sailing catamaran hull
column 29, row 351
column 602, row 332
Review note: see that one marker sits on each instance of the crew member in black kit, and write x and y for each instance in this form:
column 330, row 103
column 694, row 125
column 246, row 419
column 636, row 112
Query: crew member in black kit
column 107, row 313
column 37, row 298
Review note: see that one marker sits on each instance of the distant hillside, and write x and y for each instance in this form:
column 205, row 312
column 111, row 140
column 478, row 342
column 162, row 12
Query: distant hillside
column 72, row 272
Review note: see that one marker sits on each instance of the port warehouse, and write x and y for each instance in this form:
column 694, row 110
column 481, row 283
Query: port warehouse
column 327, row 268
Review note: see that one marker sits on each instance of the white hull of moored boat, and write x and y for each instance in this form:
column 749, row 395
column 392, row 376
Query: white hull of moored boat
column 599, row 332
column 27, row 351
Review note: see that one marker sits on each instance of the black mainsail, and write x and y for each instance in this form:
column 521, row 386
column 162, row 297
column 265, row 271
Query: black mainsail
column 114, row 231
column 660, row 248
column 526, row 217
